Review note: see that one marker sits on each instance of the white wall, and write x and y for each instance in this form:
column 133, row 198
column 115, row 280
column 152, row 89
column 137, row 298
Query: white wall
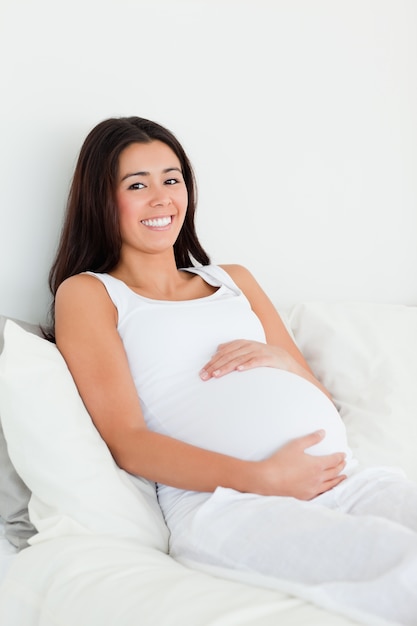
column 299, row 116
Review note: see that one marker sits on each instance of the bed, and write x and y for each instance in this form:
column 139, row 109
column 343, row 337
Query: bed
column 82, row 543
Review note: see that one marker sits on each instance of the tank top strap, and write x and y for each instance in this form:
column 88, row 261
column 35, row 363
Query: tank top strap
column 118, row 292
column 216, row 276
column 113, row 285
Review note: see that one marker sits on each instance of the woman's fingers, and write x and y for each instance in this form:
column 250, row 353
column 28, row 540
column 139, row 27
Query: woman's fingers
column 331, row 462
column 311, row 439
column 329, row 484
column 291, row 471
column 227, row 358
column 237, row 355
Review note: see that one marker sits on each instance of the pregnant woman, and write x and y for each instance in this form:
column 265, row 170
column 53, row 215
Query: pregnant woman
column 193, row 381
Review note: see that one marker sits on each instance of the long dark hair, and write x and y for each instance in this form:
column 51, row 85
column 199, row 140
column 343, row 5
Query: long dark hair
column 90, row 238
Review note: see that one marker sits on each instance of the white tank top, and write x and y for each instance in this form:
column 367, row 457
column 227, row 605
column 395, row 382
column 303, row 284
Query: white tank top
column 247, row 414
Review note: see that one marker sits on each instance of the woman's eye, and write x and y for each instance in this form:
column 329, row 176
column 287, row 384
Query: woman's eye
column 172, row 181
column 137, row 186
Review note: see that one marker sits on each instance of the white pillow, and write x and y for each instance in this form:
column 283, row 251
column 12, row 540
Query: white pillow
column 366, row 355
column 76, row 485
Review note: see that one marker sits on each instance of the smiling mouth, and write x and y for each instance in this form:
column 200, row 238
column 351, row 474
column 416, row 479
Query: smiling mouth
column 157, row 222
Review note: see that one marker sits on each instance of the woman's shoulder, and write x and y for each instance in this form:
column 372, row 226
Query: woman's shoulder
column 83, row 300
column 80, row 286
column 239, row 274
column 248, row 284
column 234, row 269
column 84, row 280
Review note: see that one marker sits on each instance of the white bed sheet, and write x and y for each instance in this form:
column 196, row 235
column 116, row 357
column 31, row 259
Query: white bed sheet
column 104, row 581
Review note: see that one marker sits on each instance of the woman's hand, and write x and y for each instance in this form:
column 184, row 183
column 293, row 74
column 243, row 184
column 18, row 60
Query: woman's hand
column 293, row 472
column 243, row 354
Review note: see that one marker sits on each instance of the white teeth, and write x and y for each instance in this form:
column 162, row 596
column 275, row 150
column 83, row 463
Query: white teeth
column 157, row 222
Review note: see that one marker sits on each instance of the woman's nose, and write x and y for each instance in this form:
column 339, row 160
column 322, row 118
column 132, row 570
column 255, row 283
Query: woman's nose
column 160, row 196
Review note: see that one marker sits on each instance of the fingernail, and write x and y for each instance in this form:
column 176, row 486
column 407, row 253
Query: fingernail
column 216, row 373
column 204, row 374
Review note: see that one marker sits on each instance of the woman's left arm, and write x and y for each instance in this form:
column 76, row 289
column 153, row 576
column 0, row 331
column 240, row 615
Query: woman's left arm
column 280, row 351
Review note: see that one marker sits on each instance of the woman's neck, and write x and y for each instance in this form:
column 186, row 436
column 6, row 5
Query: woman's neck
column 152, row 275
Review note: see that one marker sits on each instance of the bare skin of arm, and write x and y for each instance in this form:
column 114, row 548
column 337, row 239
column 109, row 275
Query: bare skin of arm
column 86, row 335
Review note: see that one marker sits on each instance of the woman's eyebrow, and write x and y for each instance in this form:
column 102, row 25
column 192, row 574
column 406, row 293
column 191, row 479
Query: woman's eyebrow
column 165, row 171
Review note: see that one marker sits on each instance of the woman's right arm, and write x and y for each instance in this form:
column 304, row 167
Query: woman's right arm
column 87, row 337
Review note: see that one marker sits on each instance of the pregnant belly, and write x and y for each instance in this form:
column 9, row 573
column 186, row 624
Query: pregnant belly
column 251, row 414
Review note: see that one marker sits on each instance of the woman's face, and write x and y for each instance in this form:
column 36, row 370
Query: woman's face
column 151, row 196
